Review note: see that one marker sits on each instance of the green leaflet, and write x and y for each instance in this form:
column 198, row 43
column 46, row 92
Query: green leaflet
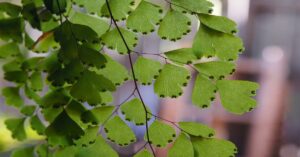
column 112, row 129
column 91, row 57
column 9, row 50
column 91, row 151
column 119, row 8
column 97, row 24
column 215, row 69
column 213, row 147
column 30, row 94
column 143, row 153
column 23, row 152
column 42, row 150
column 12, row 96
column 114, row 71
column 11, row 29
column 55, row 99
column 67, row 74
column 10, row 9
column 14, row 65
column 219, row 23
column 107, row 98
column 236, row 95
column 49, row 25
column 166, row 86
column 160, row 134
column 89, row 86
column 16, row 127
column 33, row 63
column 203, row 92
column 208, row 43
column 89, row 137
column 74, row 32
column 144, row 18
column 55, row 6
column 36, row 81
column 98, row 115
column 28, row 40
column 45, row 43
column 174, row 25
column 37, row 125
column 196, row 129
column 181, row 56
column 75, row 110
column 182, row 147
column 193, row 6
column 51, row 113
column 28, row 110
column 30, row 13
column 146, row 70
column 135, row 112
column 91, row 6
column 113, row 40
column 16, row 76
column 63, row 130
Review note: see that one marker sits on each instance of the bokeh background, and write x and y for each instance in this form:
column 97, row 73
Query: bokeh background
column 271, row 33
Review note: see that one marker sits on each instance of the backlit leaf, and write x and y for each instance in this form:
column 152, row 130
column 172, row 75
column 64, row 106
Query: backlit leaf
column 89, row 137
column 112, row 128
column 37, row 125
column 144, row 18
column 91, row 151
column 36, row 81
column 16, row 126
column 98, row 115
column 196, row 129
column 23, row 152
column 63, row 130
column 120, row 73
column 56, row 6
column 113, row 40
column 55, row 99
column 219, row 23
column 213, row 147
column 16, row 76
column 203, row 92
column 181, row 56
column 236, row 95
column 193, row 6
column 89, row 86
column 11, row 29
column 182, row 147
column 12, row 96
column 174, row 25
column 146, row 70
column 45, row 43
column 215, row 69
column 208, row 43
column 10, row 9
column 91, row 6
column 97, row 24
column 160, row 134
column 9, row 50
column 28, row 110
column 119, row 8
column 42, row 150
column 166, row 86
column 135, row 112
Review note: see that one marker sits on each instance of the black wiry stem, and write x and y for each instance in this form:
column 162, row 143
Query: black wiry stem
column 133, row 75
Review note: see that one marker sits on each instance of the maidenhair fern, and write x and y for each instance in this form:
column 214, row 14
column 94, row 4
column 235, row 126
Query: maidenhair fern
column 71, row 82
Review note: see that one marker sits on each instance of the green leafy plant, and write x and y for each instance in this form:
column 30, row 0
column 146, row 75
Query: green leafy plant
column 71, row 80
